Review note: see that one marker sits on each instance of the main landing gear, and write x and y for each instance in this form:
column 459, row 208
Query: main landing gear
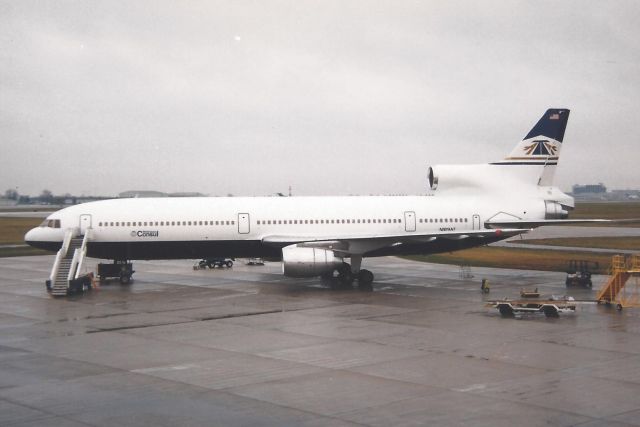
column 345, row 276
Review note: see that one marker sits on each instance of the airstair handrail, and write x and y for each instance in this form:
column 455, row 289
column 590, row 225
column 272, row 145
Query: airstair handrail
column 74, row 262
column 68, row 235
column 83, row 253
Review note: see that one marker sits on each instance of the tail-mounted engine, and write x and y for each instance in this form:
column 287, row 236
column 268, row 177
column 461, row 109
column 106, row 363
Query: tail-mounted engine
column 308, row 262
column 463, row 176
column 433, row 179
column 554, row 210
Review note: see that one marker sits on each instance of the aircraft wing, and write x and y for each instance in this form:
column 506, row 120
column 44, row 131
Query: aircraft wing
column 541, row 223
column 361, row 243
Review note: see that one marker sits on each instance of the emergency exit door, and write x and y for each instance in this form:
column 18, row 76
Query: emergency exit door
column 476, row 222
column 410, row 221
column 85, row 223
column 243, row 223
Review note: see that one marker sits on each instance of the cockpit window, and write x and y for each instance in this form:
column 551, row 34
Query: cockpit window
column 51, row 223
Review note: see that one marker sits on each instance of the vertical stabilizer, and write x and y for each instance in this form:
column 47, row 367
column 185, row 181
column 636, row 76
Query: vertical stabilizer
column 541, row 147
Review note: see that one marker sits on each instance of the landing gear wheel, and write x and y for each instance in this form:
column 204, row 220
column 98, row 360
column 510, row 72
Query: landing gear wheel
column 346, row 279
column 125, row 279
column 229, row 264
column 365, row 280
column 619, row 307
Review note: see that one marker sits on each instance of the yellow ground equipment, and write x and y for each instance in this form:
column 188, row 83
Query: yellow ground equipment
column 623, row 286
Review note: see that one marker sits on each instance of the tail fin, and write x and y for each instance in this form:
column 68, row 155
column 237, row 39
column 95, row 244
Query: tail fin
column 541, row 146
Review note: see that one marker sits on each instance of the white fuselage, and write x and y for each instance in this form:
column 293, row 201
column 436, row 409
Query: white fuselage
column 122, row 228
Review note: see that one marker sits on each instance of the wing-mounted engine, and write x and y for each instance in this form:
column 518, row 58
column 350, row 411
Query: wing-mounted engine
column 308, row 262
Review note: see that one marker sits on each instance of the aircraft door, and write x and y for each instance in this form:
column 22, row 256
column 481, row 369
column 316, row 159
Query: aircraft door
column 85, row 223
column 476, row 222
column 243, row 223
column 410, row 221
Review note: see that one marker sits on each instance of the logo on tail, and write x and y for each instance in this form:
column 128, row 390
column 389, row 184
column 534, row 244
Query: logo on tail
column 541, row 147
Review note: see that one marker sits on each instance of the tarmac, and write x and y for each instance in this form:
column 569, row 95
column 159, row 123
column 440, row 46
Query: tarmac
column 249, row 347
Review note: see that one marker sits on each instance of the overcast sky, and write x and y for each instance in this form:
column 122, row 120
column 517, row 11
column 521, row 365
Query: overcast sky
column 99, row 97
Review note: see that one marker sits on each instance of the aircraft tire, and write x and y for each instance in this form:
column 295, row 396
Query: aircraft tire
column 346, row 279
column 365, row 278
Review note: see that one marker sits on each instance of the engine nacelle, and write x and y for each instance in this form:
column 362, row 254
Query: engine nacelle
column 554, row 210
column 460, row 176
column 433, row 178
column 308, row 262
column 484, row 177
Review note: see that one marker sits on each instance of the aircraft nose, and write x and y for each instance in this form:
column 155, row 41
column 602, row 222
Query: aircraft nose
column 31, row 236
column 44, row 238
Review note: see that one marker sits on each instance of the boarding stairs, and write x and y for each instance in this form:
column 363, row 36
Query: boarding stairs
column 614, row 291
column 69, row 260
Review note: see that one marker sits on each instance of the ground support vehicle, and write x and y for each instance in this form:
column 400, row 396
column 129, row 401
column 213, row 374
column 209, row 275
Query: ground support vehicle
column 121, row 270
column 213, row 263
column 579, row 273
column 550, row 308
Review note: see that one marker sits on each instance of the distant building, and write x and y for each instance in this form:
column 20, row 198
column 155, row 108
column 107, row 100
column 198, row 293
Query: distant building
column 589, row 188
column 135, row 193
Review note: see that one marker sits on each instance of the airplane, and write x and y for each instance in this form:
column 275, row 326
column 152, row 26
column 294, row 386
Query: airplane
column 467, row 206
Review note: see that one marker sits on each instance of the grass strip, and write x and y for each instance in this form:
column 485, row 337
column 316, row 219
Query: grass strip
column 13, row 229
column 607, row 210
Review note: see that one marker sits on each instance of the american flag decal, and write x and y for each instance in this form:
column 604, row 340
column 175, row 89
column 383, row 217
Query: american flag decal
column 554, row 116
